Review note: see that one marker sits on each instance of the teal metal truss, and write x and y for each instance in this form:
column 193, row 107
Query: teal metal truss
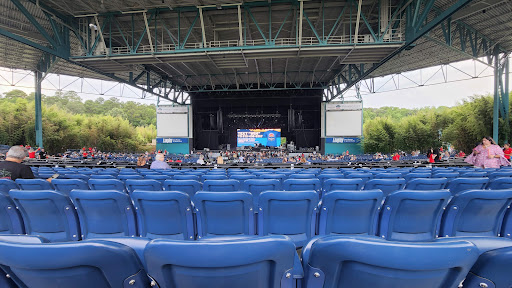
column 501, row 95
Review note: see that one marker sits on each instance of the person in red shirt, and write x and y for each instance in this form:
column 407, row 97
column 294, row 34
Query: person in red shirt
column 396, row 157
column 507, row 150
column 32, row 154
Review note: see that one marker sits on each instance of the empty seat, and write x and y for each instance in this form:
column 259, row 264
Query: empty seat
column 33, row 184
column 290, row 213
column 242, row 177
column 189, row 187
column 187, row 177
column 365, row 176
column 499, row 174
column 6, row 185
column 74, row 176
column 349, row 212
column 104, row 213
column 66, row 185
column 102, row 176
column 10, row 218
column 473, row 174
column 83, row 264
column 343, row 184
column 302, row 176
column 335, row 261
column 213, row 176
column 280, row 177
column 324, row 176
column 221, row 185
column 160, row 178
column 412, row 215
column 500, row 183
column 224, row 213
column 410, row 176
column 388, row 175
column 269, row 262
column 462, row 184
column 302, row 184
column 164, row 214
column 107, row 184
column 476, row 213
column 124, row 177
column 143, row 184
column 256, row 186
column 426, row 184
column 448, row 175
column 387, row 186
column 47, row 213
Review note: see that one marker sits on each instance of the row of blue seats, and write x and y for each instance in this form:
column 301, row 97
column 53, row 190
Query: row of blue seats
column 411, row 216
column 256, row 186
column 266, row 262
column 403, row 216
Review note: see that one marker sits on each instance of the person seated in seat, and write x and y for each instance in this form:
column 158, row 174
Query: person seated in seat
column 12, row 168
column 159, row 162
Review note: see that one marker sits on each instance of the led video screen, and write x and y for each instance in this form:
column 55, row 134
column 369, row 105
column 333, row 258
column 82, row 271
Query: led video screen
column 264, row 137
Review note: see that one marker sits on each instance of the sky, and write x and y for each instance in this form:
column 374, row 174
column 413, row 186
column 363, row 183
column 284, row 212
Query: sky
column 446, row 85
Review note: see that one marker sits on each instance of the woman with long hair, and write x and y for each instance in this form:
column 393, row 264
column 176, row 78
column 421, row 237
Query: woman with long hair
column 487, row 155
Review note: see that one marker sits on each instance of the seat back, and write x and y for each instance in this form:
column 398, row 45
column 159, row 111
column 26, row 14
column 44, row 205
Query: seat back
column 474, row 174
column 388, row 175
column 387, row 186
column 221, row 185
column 302, row 176
column 47, row 213
column 187, row 177
column 349, row 212
column 6, row 185
column 241, row 177
column 426, row 184
column 143, row 184
column 66, row 185
column 189, row 187
column 365, row 176
column 500, row 183
column 279, row 176
column 476, row 213
column 343, row 184
column 33, row 184
column 82, row 264
column 256, row 186
column 302, row 184
column 462, row 184
column 448, row 175
column 213, row 176
column 252, row 263
column 104, row 213
column 334, row 261
column 409, row 215
column 75, row 176
column 107, row 184
column 224, row 213
column 410, row 176
column 10, row 217
column 164, row 214
column 158, row 177
column 290, row 213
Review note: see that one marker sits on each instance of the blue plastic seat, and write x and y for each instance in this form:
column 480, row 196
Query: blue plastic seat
column 277, row 176
column 387, row 186
column 104, row 213
column 6, row 185
column 186, row 177
column 358, row 261
column 412, row 215
column 500, row 183
column 365, row 176
column 47, row 213
column 499, row 174
column 256, row 186
column 33, row 184
column 102, row 176
column 476, row 213
column 332, row 184
column 224, row 213
column 448, row 175
column 294, row 184
column 462, row 184
column 190, row 187
column 302, row 176
column 289, row 213
column 10, row 218
column 124, row 177
column 213, row 176
column 74, row 176
column 82, row 264
column 107, row 184
column 158, row 177
column 242, row 177
column 269, row 262
column 426, row 184
column 388, row 175
column 143, row 184
column 410, row 176
column 221, row 185
column 163, row 214
column 349, row 212
column 473, row 174
column 66, row 185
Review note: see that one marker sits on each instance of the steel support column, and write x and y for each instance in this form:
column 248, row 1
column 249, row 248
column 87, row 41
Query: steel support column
column 39, row 113
column 501, row 103
column 496, row 102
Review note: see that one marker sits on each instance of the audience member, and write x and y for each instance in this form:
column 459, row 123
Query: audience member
column 159, row 162
column 487, row 155
column 12, row 168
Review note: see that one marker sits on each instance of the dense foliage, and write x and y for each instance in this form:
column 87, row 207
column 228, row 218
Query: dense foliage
column 68, row 122
column 389, row 129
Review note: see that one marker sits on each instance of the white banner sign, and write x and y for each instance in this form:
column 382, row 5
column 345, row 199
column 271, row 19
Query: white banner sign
column 171, row 109
column 347, row 106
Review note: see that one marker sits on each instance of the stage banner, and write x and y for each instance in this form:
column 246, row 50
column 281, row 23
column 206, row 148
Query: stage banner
column 343, row 140
column 171, row 140
column 347, row 106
